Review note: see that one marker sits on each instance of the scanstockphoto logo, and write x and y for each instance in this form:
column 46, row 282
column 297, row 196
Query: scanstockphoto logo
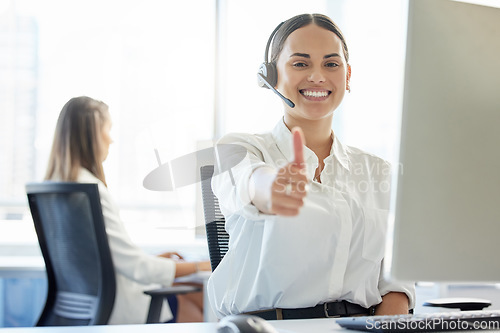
column 412, row 324
column 229, row 160
column 185, row 170
column 359, row 177
column 349, row 183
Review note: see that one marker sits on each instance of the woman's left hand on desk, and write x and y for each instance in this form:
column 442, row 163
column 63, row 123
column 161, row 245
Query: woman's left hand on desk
column 171, row 255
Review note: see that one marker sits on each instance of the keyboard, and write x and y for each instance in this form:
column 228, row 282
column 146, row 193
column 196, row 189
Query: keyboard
column 427, row 322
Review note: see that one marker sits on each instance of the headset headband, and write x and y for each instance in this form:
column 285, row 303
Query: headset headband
column 269, row 42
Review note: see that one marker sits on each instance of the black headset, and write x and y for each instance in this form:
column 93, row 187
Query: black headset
column 267, row 76
column 267, row 69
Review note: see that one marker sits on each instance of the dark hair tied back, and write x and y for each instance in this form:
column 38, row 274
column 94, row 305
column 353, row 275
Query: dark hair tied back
column 300, row 21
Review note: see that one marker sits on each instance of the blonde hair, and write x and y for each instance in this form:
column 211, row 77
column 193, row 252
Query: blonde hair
column 77, row 140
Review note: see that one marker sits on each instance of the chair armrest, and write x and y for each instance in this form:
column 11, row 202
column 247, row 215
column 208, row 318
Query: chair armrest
column 172, row 290
column 157, row 296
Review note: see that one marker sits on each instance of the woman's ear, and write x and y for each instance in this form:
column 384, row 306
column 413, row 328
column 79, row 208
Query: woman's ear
column 348, row 78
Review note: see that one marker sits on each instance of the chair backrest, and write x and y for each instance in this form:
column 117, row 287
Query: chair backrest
column 72, row 237
column 217, row 237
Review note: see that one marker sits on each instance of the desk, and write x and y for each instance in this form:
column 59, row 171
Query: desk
column 32, row 267
column 283, row 326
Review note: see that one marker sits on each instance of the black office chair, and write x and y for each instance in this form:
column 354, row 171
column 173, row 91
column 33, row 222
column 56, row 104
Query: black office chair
column 217, row 237
column 81, row 277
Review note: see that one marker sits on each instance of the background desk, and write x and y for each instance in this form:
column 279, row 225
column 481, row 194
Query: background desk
column 22, row 267
column 23, row 289
column 31, row 271
column 283, row 326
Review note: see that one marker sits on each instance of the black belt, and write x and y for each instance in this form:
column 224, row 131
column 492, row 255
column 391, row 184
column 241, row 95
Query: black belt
column 326, row 310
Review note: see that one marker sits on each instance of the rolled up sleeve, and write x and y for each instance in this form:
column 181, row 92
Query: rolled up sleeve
column 386, row 286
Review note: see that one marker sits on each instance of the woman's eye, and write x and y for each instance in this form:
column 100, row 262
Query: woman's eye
column 299, row 64
column 332, row 64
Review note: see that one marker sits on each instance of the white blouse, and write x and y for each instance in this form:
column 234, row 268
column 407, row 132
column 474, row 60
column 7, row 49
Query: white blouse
column 333, row 250
column 135, row 269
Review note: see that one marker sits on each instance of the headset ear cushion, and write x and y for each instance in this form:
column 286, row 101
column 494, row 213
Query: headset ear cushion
column 268, row 70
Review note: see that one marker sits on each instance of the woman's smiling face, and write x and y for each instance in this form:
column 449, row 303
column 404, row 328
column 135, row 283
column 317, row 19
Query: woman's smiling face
column 312, row 72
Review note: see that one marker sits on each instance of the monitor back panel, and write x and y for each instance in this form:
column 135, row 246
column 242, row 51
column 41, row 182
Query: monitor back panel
column 447, row 205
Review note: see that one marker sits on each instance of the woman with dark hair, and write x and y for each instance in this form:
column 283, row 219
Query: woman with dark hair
column 80, row 146
column 305, row 213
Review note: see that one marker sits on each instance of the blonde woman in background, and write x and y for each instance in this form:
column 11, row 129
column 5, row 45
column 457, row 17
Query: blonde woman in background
column 81, row 144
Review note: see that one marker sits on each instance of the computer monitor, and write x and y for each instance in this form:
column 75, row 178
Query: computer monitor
column 446, row 207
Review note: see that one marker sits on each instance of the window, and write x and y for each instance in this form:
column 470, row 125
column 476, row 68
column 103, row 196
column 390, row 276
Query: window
column 150, row 61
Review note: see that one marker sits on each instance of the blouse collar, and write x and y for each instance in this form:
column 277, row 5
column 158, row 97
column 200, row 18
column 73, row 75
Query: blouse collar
column 283, row 138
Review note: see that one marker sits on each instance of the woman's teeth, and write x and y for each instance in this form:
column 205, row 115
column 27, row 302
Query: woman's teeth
column 309, row 93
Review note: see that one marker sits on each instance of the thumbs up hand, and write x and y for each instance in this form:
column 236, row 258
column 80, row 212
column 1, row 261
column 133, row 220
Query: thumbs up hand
column 290, row 185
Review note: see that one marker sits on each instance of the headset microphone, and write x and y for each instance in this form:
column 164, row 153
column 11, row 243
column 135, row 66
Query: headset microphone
column 267, row 76
column 263, row 79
